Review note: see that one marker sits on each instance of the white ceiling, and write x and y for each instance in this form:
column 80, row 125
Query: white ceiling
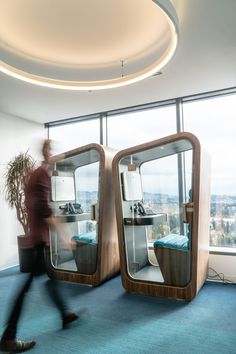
column 205, row 59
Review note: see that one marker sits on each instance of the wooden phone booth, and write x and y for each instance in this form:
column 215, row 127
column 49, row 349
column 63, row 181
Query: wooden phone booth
column 84, row 207
column 162, row 192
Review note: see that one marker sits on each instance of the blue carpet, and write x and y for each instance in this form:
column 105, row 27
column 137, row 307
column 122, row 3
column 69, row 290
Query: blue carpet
column 113, row 321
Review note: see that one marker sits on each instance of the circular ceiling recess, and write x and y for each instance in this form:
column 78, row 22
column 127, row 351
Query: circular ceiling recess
column 86, row 45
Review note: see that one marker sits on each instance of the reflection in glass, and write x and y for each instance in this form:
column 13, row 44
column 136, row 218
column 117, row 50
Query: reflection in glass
column 155, row 186
column 75, row 204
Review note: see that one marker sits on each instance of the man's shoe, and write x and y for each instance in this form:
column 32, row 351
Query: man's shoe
column 68, row 318
column 16, row 345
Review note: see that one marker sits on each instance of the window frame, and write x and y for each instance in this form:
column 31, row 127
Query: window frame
column 178, row 102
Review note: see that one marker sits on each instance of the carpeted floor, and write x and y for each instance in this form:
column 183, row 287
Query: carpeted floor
column 115, row 322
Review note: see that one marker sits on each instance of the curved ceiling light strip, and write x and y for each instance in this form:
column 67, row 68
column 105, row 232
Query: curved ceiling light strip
column 171, row 16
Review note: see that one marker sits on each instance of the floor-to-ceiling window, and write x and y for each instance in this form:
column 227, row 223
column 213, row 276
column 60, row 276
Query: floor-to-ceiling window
column 211, row 117
column 72, row 135
column 213, row 121
column 137, row 127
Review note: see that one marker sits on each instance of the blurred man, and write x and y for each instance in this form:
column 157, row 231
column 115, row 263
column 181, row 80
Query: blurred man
column 40, row 218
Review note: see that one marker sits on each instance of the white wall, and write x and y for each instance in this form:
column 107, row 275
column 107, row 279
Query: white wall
column 225, row 265
column 16, row 135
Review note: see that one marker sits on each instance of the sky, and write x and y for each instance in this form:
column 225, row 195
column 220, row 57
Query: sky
column 213, row 121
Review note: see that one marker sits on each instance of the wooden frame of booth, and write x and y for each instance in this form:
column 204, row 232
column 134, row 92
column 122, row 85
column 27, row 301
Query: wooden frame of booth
column 199, row 247
column 108, row 261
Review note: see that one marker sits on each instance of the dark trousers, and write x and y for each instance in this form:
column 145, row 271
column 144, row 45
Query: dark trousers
column 38, row 268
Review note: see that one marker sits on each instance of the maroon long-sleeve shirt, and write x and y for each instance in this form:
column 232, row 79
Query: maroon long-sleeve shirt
column 38, row 191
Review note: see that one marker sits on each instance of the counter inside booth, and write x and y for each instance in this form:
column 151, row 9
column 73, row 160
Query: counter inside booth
column 153, row 219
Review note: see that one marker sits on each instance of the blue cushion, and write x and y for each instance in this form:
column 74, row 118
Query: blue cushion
column 173, row 241
column 89, row 237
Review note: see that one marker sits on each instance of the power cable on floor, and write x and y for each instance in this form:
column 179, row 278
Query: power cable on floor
column 219, row 276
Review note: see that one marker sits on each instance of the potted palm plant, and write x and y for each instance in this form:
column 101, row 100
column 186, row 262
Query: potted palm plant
column 17, row 171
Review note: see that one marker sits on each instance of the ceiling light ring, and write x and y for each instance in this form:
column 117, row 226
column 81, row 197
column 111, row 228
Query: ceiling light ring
column 168, row 10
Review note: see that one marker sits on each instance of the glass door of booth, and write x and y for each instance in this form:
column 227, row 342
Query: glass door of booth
column 75, row 201
column 156, row 189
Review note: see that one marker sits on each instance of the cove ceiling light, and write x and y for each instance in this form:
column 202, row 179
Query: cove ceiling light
column 124, row 42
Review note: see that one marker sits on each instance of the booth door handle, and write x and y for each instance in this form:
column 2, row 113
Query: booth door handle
column 187, row 212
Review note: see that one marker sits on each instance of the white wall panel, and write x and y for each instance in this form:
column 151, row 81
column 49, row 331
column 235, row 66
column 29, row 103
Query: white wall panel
column 16, row 135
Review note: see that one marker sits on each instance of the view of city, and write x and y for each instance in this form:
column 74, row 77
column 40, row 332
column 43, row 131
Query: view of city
column 222, row 215
column 223, row 221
